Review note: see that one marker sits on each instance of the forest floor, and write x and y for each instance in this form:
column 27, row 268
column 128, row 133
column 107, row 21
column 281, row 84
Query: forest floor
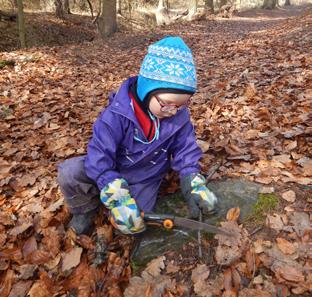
column 252, row 115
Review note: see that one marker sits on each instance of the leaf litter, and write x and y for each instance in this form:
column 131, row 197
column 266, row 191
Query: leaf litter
column 251, row 113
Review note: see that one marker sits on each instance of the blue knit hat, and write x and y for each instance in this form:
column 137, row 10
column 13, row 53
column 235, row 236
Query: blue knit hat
column 168, row 65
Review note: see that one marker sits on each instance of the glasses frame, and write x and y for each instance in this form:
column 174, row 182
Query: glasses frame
column 171, row 107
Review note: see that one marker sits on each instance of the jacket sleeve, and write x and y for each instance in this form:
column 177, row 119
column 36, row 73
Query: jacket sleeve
column 185, row 152
column 100, row 162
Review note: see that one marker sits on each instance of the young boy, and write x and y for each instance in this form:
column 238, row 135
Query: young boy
column 144, row 131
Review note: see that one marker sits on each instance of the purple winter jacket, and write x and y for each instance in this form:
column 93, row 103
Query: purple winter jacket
column 114, row 153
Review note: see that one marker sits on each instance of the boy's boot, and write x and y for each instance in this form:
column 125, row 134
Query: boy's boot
column 83, row 223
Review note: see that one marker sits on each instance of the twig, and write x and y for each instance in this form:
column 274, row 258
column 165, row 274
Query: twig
column 212, row 171
column 210, row 174
column 254, row 268
column 200, row 251
column 256, row 230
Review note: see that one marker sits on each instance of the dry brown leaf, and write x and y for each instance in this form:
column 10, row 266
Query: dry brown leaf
column 53, row 207
column 50, row 265
column 264, row 180
column 275, row 222
column 204, row 145
column 137, row 287
column 233, row 214
column 14, row 254
column 301, row 222
column 6, row 219
column 230, row 248
column 155, row 266
column 285, row 246
column 39, row 257
column 260, row 245
column 250, row 91
column 71, row 259
column 172, row 268
column 7, row 282
column 226, row 255
column 298, row 179
column 289, row 196
column 20, row 229
column 3, row 238
column 210, row 288
column 5, row 168
column 200, row 273
column 150, row 286
column 253, row 293
column 258, row 280
column 51, row 240
column 39, row 290
column 291, row 145
column 289, row 273
column 306, row 163
column 85, row 242
column 230, row 293
column 26, row 271
column 285, row 159
column 266, row 190
column 115, row 291
column 105, row 231
column 29, row 247
column 228, row 286
column 250, row 261
column 20, row 289
column 236, row 278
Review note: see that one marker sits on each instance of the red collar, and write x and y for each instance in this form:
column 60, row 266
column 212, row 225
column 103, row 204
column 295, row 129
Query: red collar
column 144, row 120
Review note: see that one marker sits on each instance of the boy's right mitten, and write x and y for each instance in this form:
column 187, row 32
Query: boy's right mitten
column 123, row 208
column 197, row 195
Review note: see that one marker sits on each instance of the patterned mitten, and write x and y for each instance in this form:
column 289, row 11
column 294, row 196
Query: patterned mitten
column 124, row 212
column 197, row 195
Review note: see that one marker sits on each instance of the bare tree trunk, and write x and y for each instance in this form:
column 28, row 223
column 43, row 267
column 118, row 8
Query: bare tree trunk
column 118, row 6
column 59, row 12
column 66, row 6
column 162, row 13
column 269, row 4
column 90, row 7
column 209, row 4
column 21, row 23
column 287, row 2
column 107, row 22
column 192, row 9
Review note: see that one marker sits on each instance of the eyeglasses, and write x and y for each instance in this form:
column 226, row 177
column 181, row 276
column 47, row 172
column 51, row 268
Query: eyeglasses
column 171, row 107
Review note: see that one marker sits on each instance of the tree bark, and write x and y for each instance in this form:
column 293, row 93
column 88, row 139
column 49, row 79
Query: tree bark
column 59, row 12
column 269, row 4
column 21, row 23
column 66, row 6
column 287, row 2
column 192, row 6
column 209, row 4
column 90, row 7
column 107, row 22
column 118, row 7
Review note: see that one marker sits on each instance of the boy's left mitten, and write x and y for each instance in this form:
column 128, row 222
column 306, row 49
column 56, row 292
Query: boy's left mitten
column 197, row 195
column 123, row 208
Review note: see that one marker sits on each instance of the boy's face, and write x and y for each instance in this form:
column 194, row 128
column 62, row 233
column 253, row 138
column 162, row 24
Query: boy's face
column 165, row 105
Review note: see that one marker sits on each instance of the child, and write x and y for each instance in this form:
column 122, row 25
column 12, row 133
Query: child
column 144, row 131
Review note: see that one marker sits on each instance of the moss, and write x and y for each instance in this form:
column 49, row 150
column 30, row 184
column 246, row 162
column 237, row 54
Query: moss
column 265, row 204
column 4, row 63
column 5, row 111
column 138, row 266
